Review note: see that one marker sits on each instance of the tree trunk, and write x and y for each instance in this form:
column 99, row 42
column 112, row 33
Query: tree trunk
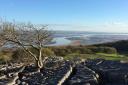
column 40, row 58
column 39, row 61
column 39, row 65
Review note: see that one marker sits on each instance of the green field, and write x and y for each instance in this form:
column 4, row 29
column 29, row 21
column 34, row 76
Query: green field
column 97, row 55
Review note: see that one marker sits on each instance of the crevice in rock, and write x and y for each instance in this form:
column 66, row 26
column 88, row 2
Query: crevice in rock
column 74, row 70
column 101, row 79
column 81, row 75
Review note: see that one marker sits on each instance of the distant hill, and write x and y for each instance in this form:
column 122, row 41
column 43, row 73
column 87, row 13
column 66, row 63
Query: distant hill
column 121, row 46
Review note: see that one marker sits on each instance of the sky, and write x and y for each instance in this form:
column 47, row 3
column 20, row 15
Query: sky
column 76, row 15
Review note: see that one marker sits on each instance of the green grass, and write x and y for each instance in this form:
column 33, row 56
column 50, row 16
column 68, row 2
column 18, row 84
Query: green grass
column 97, row 55
column 108, row 55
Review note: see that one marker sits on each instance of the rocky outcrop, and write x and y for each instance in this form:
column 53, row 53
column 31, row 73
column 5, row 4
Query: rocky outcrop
column 15, row 77
column 111, row 72
column 48, row 76
column 66, row 76
column 83, row 76
column 60, row 72
column 11, row 76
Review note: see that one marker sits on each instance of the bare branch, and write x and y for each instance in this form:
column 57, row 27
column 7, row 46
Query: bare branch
column 25, row 35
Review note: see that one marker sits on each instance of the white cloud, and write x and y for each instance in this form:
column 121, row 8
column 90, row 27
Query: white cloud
column 115, row 27
column 106, row 27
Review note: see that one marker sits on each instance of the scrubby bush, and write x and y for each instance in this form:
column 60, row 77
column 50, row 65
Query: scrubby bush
column 20, row 56
column 47, row 52
column 5, row 56
column 65, row 50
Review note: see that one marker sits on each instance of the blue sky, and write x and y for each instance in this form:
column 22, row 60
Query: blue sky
column 81, row 15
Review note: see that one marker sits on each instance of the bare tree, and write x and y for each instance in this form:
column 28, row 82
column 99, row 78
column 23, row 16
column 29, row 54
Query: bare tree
column 27, row 36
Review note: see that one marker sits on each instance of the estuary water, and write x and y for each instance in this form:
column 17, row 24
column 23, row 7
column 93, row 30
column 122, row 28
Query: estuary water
column 88, row 39
column 60, row 41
